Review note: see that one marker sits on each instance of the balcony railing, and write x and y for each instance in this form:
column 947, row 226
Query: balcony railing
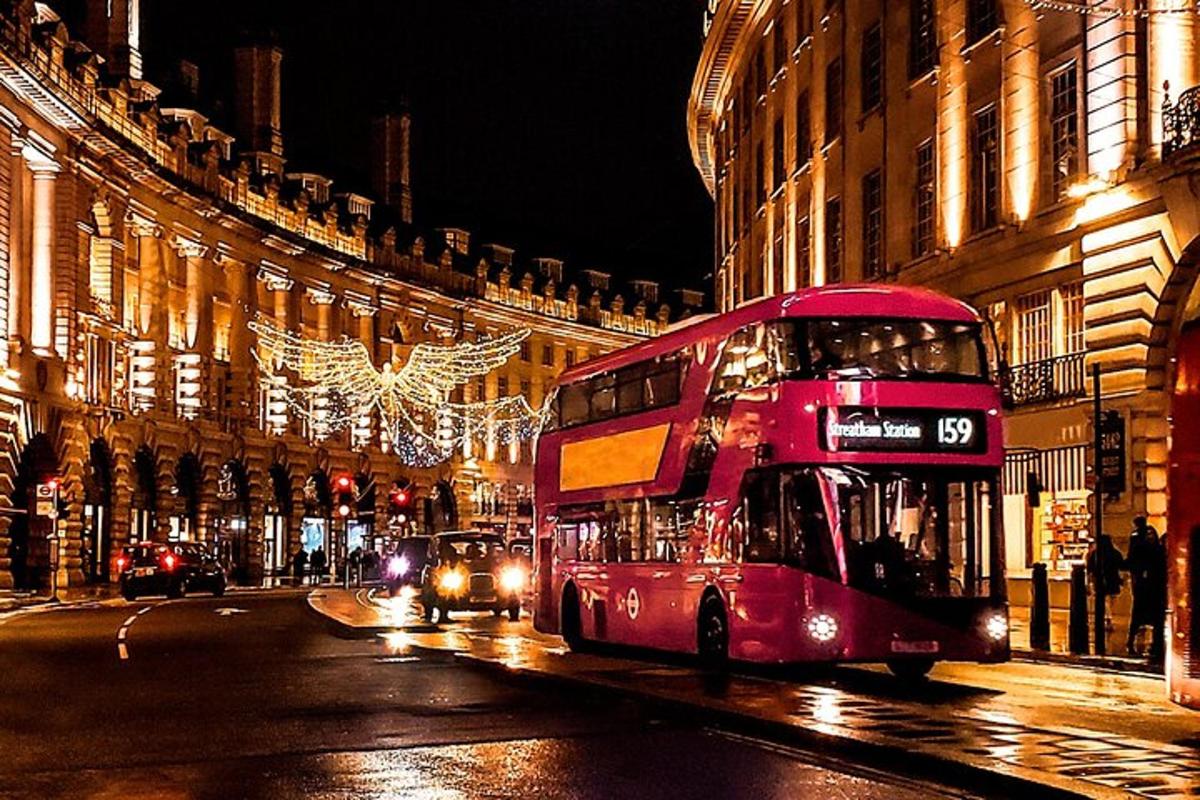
column 1181, row 121
column 1044, row 381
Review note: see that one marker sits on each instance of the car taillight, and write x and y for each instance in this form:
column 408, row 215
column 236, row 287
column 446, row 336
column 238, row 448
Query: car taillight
column 169, row 561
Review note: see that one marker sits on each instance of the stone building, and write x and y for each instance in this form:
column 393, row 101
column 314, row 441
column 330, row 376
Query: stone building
column 1036, row 159
column 137, row 240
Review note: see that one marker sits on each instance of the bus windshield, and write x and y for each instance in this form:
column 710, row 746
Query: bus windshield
column 889, row 532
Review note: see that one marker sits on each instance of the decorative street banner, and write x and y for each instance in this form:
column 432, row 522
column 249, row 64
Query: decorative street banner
column 1112, row 453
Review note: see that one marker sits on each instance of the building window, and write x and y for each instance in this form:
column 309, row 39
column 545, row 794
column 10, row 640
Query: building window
column 527, row 391
column 803, row 20
column 747, row 104
column 778, row 46
column 924, row 201
column 760, row 178
column 777, row 169
column 983, row 18
column 872, row 222
column 803, row 131
column 922, row 43
column 570, row 354
column 803, row 252
column 1064, row 129
column 547, row 355
column 502, row 386
column 1072, row 316
column 872, row 68
column 526, row 351
column 760, row 72
column 1035, row 337
column 833, row 100
column 985, row 170
column 833, row 240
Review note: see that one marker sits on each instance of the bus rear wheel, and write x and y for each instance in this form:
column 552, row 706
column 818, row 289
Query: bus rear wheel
column 911, row 670
column 712, row 636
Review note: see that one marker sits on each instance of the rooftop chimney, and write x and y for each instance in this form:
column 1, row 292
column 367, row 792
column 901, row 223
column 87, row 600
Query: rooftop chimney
column 390, row 151
column 257, row 115
column 111, row 28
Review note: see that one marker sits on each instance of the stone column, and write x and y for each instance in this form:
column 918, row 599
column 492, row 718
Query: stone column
column 18, row 316
column 41, row 256
column 153, row 300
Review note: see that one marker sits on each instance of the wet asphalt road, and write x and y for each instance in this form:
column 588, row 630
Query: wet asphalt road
column 251, row 696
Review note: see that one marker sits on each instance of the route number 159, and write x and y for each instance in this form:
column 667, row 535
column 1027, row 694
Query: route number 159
column 955, row 431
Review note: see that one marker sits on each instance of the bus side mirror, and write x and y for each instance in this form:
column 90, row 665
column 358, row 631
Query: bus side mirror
column 1033, row 489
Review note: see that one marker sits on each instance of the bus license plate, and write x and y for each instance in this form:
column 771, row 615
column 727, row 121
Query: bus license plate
column 915, row 647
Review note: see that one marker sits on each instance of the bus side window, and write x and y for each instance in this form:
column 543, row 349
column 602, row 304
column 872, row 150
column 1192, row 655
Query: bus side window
column 568, row 541
column 809, row 539
column 761, row 501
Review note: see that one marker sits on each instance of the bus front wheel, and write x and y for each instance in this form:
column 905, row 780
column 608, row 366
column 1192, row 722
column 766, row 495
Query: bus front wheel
column 911, row 670
column 712, row 636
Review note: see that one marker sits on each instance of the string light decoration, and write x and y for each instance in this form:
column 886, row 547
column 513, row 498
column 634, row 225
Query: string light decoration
column 334, row 385
column 1109, row 9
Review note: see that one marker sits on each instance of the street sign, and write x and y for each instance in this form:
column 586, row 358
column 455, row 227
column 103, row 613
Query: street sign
column 1112, row 453
column 46, row 500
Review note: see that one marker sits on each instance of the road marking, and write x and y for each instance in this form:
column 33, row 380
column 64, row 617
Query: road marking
column 228, row 612
column 123, row 631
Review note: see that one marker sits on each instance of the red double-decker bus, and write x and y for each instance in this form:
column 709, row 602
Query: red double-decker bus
column 812, row 477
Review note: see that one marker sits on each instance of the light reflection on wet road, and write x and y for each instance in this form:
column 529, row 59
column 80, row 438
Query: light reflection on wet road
column 268, row 704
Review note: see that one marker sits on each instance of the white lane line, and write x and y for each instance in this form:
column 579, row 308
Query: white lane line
column 123, row 631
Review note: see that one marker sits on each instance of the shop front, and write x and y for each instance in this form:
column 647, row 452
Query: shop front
column 142, row 514
column 277, row 511
column 232, row 522
column 95, row 552
column 182, row 523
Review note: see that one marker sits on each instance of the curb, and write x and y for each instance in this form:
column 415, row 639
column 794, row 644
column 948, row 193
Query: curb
column 1093, row 663
column 345, row 629
column 939, row 769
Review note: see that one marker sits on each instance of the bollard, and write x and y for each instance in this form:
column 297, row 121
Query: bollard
column 1078, row 624
column 1039, row 613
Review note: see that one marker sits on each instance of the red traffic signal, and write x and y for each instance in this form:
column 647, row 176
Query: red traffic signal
column 344, row 483
column 345, row 497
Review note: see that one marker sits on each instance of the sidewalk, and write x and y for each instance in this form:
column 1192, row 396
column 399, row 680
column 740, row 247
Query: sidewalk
column 1010, row 728
column 1116, row 657
column 11, row 601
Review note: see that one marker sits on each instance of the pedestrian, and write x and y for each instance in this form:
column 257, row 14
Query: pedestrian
column 85, row 561
column 318, row 564
column 1142, row 544
column 1104, row 563
column 299, row 564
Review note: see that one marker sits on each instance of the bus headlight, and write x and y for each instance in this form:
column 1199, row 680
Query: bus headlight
column 996, row 626
column 512, row 579
column 452, row 581
column 823, row 628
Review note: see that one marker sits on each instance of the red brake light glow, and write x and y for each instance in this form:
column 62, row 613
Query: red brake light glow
column 120, row 563
column 169, row 561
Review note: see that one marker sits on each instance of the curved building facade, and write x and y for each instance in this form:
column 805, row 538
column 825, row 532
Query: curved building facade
column 137, row 240
column 1031, row 158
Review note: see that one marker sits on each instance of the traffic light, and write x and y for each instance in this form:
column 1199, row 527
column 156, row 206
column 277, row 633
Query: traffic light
column 344, row 499
column 400, row 501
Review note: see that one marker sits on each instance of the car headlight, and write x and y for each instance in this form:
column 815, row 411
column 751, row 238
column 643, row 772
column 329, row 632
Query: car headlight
column 822, row 628
column 996, row 626
column 512, row 579
column 452, row 581
column 397, row 566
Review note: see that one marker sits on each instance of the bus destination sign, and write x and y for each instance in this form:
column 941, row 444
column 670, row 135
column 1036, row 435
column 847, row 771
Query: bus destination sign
column 916, row 430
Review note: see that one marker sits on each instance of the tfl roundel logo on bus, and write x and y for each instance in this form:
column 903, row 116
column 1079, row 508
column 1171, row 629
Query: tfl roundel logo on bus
column 633, row 603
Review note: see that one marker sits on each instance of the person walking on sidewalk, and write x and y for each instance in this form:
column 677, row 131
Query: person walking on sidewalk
column 1104, row 563
column 299, row 564
column 1143, row 542
column 318, row 564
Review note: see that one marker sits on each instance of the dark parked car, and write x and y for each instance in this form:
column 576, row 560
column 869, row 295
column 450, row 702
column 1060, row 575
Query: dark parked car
column 405, row 565
column 170, row 569
column 472, row 571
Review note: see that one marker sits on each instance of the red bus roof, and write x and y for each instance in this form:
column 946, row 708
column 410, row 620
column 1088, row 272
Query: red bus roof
column 840, row 300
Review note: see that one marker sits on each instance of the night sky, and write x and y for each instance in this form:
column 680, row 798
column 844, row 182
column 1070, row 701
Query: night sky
column 554, row 126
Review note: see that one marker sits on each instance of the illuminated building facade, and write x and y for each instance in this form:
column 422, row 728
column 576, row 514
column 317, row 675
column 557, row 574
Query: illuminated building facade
column 137, row 240
column 1030, row 158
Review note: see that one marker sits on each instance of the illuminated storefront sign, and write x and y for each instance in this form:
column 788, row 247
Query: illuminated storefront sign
column 915, row 430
